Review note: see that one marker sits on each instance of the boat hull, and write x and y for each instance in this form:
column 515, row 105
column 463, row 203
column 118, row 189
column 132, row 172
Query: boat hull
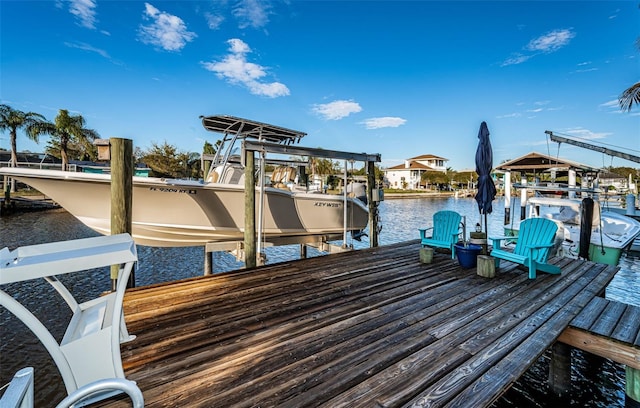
column 612, row 233
column 174, row 213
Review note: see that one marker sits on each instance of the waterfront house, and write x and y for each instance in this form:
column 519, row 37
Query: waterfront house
column 408, row 175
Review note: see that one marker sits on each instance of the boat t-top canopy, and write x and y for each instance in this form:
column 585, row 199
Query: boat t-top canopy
column 251, row 129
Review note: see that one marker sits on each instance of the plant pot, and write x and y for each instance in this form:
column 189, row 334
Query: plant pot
column 468, row 254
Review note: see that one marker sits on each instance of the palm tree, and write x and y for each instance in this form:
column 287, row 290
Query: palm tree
column 630, row 95
column 12, row 120
column 69, row 130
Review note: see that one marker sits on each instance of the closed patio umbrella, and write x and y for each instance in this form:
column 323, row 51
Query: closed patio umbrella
column 484, row 164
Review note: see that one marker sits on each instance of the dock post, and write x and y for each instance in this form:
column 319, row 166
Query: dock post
column 303, row 251
column 632, row 388
column 560, row 369
column 507, row 197
column 250, row 260
column 121, row 155
column 373, row 205
column 208, row 262
column 7, row 197
column 523, row 198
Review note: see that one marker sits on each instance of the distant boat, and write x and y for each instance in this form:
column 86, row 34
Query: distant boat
column 176, row 212
column 611, row 233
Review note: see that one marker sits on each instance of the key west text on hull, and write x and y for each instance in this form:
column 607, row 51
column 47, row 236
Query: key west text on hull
column 175, row 212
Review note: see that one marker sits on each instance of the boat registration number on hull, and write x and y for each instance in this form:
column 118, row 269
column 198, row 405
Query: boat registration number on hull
column 173, row 190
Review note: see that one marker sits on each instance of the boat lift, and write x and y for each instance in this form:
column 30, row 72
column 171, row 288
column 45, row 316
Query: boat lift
column 250, row 250
column 601, row 149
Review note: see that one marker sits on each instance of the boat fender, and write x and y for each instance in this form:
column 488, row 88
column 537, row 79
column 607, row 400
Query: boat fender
column 586, row 223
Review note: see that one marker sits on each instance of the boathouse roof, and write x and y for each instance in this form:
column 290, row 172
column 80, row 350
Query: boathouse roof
column 535, row 162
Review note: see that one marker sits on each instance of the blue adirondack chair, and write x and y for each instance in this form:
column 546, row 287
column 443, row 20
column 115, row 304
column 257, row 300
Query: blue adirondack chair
column 534, row 240
column 444, row 233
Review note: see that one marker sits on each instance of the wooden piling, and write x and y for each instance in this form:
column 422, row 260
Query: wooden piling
column 7, row 196
column 373, row 205
column 208, row 262
column 121, row 152
column 632, row 387
column 560, row 370
column 250, row 260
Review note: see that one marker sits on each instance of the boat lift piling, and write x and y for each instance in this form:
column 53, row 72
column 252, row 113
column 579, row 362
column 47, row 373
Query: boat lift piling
column 252, row 245
column 250, row 253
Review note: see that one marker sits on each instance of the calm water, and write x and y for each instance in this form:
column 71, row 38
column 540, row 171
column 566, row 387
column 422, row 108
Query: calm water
column 602, row 386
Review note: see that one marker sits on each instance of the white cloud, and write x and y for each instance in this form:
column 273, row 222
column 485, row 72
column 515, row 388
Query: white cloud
column 252, row 13
column 384, row 122
column 611, row 103
column 612, row 106
column 552, row 41
column 165, row 30
column 237, row 70
column 509, row 115
column 84, row 11
column 587, row 134
column 87, row 47
column 515, row 59
column 213, row 20
column 337, row 109
column 586, row 70
column 90, row 48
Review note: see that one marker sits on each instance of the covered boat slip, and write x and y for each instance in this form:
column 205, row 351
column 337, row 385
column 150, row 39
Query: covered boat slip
column 373, row 327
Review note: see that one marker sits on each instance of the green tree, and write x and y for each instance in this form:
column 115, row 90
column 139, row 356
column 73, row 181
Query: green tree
column 166, row 160
column 11, row 119
column 69, row 135
column 435, row 177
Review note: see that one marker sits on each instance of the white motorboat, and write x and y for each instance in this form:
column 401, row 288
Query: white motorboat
column 611, row 233
column 176, row 212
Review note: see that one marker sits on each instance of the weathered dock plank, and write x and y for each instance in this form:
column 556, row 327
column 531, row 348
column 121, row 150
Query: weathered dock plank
column 607, row 328
column 369, row 328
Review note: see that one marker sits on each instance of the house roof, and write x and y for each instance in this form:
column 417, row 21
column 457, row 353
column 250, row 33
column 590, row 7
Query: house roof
column 412, row 166
column 538, row 162
column 428, row 156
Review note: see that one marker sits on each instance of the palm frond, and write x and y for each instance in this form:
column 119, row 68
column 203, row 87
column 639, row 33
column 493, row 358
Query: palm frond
column 630, row 97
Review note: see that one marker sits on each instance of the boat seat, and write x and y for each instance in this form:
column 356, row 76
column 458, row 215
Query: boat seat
column 232, row 175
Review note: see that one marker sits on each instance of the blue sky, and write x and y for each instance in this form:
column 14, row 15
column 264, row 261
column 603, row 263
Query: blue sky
column 397, row 78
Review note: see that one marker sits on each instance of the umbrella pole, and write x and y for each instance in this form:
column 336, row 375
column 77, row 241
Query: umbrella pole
column 486, row 227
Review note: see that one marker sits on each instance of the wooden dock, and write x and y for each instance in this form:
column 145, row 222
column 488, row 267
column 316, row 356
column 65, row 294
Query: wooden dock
column 607, row 329
column 370, row 328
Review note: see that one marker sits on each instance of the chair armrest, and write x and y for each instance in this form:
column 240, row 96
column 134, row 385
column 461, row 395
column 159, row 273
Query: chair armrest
column 539, row 246
column 423, row 231
column 497, row 240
